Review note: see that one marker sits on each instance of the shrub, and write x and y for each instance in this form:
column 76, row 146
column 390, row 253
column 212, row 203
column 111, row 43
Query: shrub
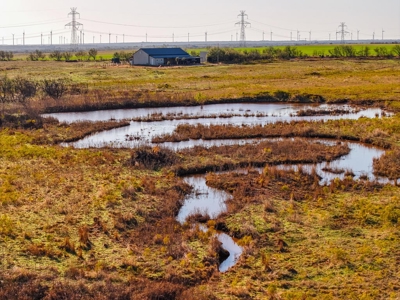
column 55, row 88
column 154, row 158
column 56, row 55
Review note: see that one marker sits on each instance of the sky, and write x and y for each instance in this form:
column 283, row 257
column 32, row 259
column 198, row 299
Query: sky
column 178, row 20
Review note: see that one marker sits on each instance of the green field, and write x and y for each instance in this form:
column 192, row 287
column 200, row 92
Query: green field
column 308, row 50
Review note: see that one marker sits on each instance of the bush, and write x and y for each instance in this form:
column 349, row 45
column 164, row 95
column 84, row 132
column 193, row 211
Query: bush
column 36, row 55
column 154, row 158
column 24, row 89
column 7, row 90
column 6, row 55
column 56, row 55
column 55, row 88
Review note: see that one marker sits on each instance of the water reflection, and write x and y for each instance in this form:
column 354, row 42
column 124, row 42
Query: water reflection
column 259, row 110
column 204, row 200
column 139, row 133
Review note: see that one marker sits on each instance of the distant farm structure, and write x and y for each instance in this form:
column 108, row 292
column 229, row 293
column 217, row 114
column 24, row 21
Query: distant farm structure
column 163, row 57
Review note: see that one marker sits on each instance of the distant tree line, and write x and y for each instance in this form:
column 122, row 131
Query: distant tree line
column 229, row 55
column 58, row 55
column 123, row 56
column 20, row 90
column 6, row 55
column 351, row 51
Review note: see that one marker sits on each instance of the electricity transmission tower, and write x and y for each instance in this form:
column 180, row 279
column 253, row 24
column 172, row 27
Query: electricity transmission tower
column 74, row 26
column 342, row 31
column 243, row 24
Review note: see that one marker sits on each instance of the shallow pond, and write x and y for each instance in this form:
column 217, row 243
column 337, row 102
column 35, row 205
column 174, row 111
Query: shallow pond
column 286, row 110
column 139, row 133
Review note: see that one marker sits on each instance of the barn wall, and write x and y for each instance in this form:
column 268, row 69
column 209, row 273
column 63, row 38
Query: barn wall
column 140, row 58
column 156, row 61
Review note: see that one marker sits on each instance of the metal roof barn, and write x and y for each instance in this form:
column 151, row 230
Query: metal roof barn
column 163, row 56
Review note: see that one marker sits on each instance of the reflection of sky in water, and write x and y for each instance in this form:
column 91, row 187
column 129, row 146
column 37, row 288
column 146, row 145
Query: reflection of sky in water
column 138, row 133
column 271, row 109
column 234, row 251
column 207, row 200
column 359, row 161
column 203, row 200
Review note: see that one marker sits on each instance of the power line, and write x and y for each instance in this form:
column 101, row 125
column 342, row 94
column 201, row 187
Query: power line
column 342, row 31
column 74, row 26
column 146, row 26
column 243, row 24
column 33, row 23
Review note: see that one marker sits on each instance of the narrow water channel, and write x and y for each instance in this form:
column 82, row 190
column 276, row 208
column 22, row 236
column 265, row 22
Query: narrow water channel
column 209, row 201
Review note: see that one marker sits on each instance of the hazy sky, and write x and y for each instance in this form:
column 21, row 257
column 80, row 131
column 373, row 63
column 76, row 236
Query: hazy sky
column 163, row 19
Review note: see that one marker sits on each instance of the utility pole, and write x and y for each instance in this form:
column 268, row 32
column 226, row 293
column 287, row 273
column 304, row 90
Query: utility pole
column 298, row 35
column 373, row 36
column 109, row 38
column 342, row 31
column 329, row 36
column 83, row 38
column 310, row 35
column 100, row 38
column 271, row 36
column 74, row 26
column 206, row 36
column 263, row 35
column 23, row 38
column 291, row 35
column 236, row 36
column 116, row 39
column 13, row 39
column 41, row 38
column 243, row 24
column 382, row 33
column 51, row 37
column 123, row 38
column 351, row 36
column 188, row 37
column 358, row 34
column 146, row 37
column 173, row 37
column 93, row 39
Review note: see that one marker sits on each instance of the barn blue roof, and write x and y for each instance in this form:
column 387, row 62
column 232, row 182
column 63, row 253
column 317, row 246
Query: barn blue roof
column 165, row 52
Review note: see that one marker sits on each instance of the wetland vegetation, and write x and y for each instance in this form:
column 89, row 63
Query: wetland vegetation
column 102, row 223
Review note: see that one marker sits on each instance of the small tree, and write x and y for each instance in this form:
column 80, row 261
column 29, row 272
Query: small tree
column 7, row 90
column 55, row 88
column 36, row 55
column 92, row 53
column 396, row 50
column 6, row 55
column 80, row 54
column 56, row 55
column 67, row 55
column 24, row 89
